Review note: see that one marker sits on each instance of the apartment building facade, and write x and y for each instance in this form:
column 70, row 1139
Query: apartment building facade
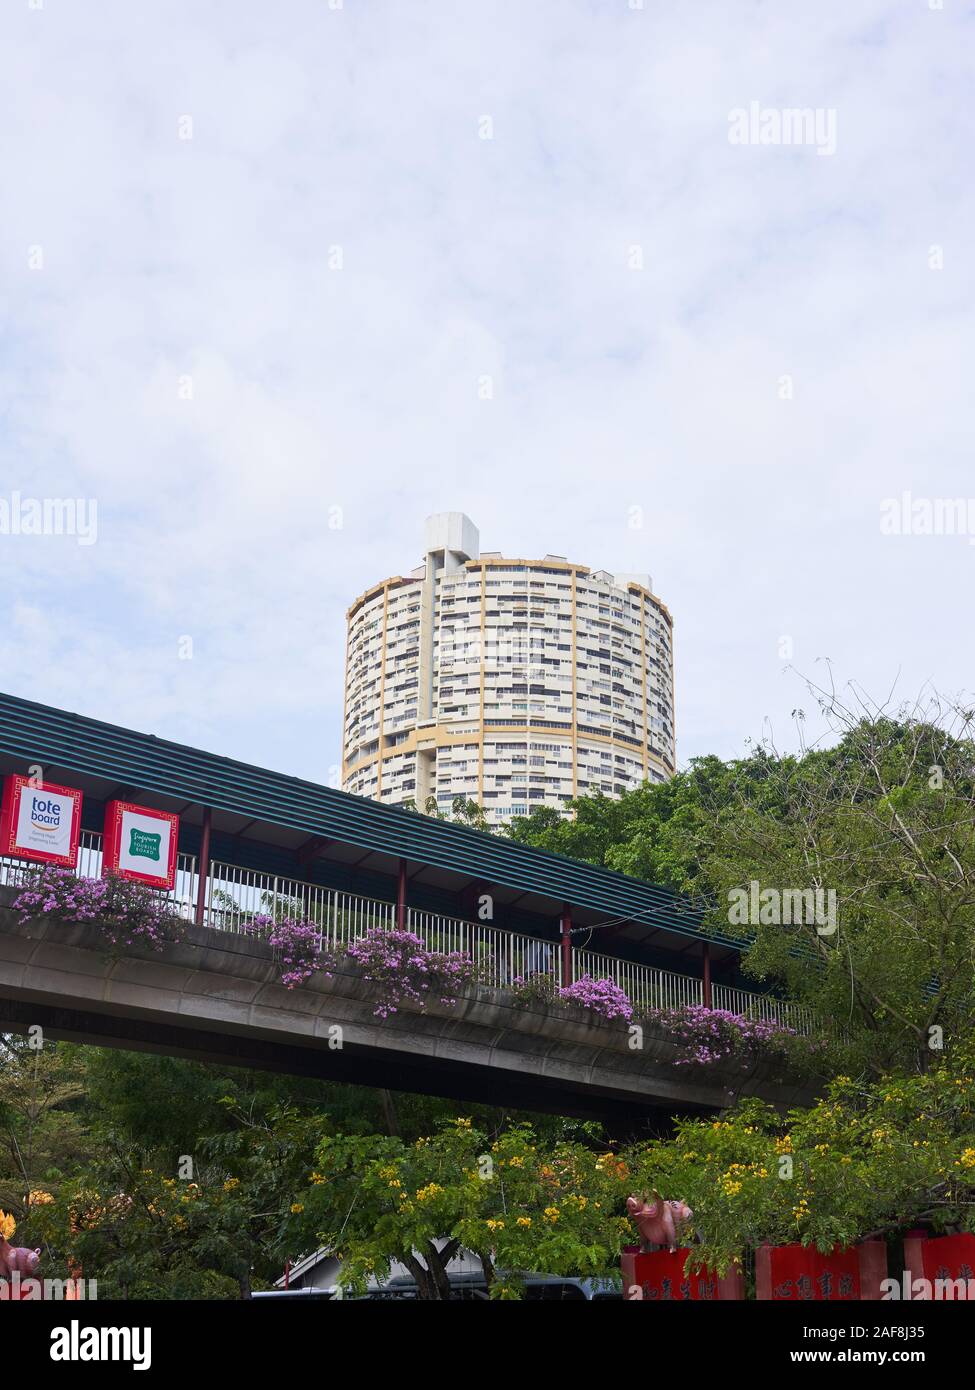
column 513, row 683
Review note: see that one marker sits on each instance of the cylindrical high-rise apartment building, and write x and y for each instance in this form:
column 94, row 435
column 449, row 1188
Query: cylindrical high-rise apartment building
column 514, row 683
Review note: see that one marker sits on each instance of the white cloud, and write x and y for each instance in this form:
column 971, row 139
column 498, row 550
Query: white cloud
column 209, row 259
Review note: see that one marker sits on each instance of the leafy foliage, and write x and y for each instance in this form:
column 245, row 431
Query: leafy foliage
column 865, row 1160
column 517, row 1203
column 884, row 819
column 43, row 1137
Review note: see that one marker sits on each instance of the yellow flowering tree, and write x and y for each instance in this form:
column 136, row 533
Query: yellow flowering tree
column 866, row 1160
column 517, row 1204
column 207, row 1232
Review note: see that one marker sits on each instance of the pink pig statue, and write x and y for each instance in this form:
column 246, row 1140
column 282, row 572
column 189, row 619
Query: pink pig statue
column 658, row 1221
column 17, row 1257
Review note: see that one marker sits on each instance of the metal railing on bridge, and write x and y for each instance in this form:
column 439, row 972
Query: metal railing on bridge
column 746, row 1004
column 501, row 957
column 235, row 896
column 645, row 985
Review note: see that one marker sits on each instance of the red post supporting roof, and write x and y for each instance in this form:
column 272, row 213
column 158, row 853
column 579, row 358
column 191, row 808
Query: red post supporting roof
column 401, row 896
column 203, row 867
column 566, row 945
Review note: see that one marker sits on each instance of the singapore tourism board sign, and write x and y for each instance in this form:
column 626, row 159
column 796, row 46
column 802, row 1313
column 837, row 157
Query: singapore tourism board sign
column 140, row 844
column 41, row 821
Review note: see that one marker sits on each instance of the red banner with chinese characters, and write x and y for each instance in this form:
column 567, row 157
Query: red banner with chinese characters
column 948, row 1258
column 659, row 1276
column 801, row 1273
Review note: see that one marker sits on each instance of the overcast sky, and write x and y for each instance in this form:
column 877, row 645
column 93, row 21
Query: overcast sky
column 278, row 280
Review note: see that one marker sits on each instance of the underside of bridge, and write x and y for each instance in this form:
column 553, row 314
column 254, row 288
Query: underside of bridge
column 468, row 1084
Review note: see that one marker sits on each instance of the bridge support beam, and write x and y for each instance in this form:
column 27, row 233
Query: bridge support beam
column 203, row 866
column 566, row 945
column 401, row 897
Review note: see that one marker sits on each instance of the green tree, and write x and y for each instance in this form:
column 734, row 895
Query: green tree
column 883, row 820
column 519, row 1205
column 866, row 1160
column 184, row 1174
column 212, row 1228
column 43, row 1136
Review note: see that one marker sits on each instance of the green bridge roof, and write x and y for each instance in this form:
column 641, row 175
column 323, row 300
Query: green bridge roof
column 34, row 733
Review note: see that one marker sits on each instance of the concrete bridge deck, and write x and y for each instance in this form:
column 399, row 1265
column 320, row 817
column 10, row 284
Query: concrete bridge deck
column 217, row 997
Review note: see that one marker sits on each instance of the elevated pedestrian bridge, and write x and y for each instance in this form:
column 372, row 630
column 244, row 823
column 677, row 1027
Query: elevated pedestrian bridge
column 254, row 841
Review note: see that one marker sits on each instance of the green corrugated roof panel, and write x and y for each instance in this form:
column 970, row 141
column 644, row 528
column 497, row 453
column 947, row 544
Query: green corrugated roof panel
column 39, row 733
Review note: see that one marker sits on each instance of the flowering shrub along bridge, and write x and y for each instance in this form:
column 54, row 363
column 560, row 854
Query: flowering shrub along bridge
column 430, row 954
column 397, row 963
